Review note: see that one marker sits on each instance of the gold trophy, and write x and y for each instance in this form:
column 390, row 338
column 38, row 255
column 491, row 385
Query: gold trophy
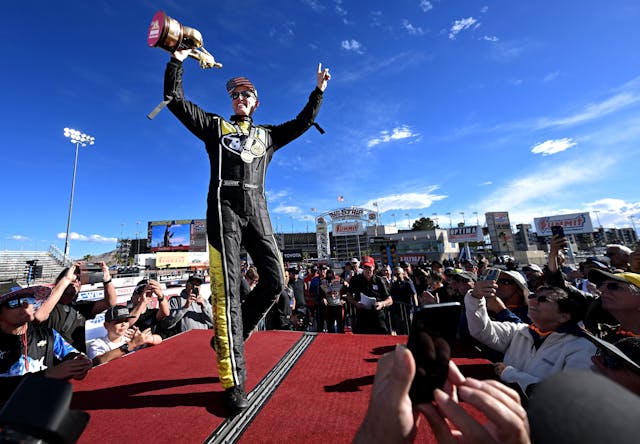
column 167, row 33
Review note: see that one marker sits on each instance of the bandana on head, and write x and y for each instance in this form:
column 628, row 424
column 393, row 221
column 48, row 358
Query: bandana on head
column 240, row 81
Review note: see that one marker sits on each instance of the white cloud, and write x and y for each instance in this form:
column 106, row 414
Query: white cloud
column 341, row 11
column 406, row 201
column 529, row 196
column 315, row 5
column 460, row 25
column 593, row 111
column 352, row 45
column 411, row 29
column 276, row 195
column 397, row 133
column 490, row 38
column 484, row 9
column 97, row 238
column 287, row 209
column 613, row 212
column 18, row 237
column 487, row 183
column 551, row 77
column 426, row 5
column 549, row 147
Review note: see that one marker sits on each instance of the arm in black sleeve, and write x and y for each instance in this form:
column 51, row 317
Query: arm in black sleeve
column 192, row 116
column 288, row 131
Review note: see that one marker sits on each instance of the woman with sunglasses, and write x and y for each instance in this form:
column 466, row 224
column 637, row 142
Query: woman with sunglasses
column 551, row 344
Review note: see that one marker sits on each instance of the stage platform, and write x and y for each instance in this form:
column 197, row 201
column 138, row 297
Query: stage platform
column 303, row 387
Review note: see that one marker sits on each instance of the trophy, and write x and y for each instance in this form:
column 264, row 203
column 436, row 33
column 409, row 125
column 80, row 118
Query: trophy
column 167, row 33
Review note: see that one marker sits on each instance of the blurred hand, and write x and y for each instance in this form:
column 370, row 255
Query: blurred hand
column 323, row 77
column 484, row 289
column 73, row 368
column 506, row 422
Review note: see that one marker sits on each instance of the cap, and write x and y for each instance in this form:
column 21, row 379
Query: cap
column 117, row 313
column 368, row 261
column 596, row 263
column 519, row 279
column 38, row 291
column 597, row 276
column 466, row 275
column 240, row 81
column 532, row 267
column 354, row 260
column 196, row 280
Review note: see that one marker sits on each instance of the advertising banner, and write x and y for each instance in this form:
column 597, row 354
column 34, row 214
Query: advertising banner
column 172, row 260
column 466, row 234
column 575, row 223
column 348, row 229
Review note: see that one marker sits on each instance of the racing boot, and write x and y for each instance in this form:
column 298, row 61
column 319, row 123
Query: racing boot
column 236, row 399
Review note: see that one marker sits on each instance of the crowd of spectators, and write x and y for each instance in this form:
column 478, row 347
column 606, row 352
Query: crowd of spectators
column 531, row 321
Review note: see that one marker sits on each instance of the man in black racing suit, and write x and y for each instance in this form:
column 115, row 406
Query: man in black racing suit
column 239, row 153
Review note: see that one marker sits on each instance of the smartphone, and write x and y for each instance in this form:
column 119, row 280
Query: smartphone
column 433, row 333
column 492, row 274
column 557, row 230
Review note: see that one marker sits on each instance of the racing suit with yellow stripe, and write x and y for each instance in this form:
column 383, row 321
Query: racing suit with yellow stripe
column 239, row 153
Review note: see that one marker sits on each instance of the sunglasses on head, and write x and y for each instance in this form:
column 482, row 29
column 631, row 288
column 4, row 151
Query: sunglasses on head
column 19, row 302
column 246, row 94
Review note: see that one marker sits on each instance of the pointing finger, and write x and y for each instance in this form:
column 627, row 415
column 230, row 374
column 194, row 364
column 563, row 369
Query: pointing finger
column 319, row 68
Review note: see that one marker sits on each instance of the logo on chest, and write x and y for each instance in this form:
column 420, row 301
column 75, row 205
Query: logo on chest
column 247, row 146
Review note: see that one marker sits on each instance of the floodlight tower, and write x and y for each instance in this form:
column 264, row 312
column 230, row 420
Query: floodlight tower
column 77, row 138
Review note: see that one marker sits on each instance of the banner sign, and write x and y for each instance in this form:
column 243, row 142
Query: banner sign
column 172, row 260
column 292, row 255
column 348, row 229
column 347, row 213
column 466, row 234
column 575, row 223
column 322, row 239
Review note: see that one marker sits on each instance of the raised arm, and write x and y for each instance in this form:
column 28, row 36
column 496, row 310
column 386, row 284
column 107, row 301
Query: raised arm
column 110, row 298
column 42, row 314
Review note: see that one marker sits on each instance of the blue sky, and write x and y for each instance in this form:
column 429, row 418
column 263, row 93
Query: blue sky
column 532, row 107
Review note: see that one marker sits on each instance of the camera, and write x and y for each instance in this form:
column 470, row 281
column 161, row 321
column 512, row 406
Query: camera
column 90, row 273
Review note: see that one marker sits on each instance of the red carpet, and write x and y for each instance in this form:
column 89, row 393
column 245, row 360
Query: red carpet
column 171, row 392
column 167, row 393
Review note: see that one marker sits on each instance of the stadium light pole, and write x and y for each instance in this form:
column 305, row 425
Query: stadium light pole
column 77, row 138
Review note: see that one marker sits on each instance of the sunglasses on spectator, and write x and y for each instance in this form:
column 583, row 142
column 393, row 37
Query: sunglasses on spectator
column 506, row 282
column 613, row 286
column 609, row 360
column 367, row 267
column 246, row 94
column 20, row 302
column 540, row 298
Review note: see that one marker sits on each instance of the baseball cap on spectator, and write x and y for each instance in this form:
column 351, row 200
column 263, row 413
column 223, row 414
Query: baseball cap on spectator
column 404, row 264
column 368, row 261
column 596, row 263
column 465, row 275
column 470, row 262
column 117, row 313
column 38, row 291
column 354, row 260
column 519, row 280
column 532, row 267
column 598, row 276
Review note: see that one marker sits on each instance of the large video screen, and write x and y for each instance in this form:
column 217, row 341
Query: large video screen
column 178, row 235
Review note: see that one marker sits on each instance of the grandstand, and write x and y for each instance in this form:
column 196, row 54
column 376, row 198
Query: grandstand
column 13, row 265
